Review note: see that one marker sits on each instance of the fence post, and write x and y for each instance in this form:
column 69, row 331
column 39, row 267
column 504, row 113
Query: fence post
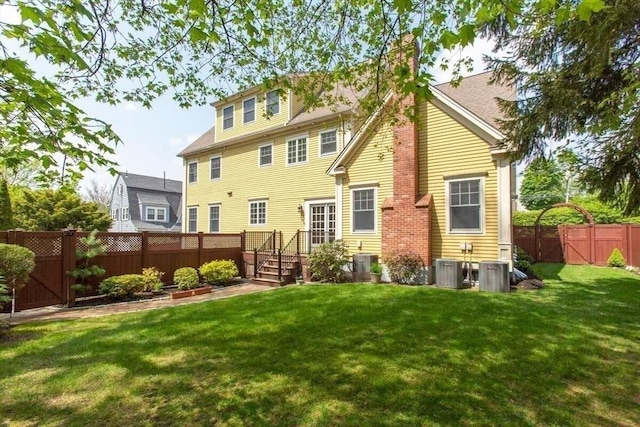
column 273, row 242
column 200, row 247
column 145, row 249
column 592, row 244
column 68, row 264
column 243, row 241
column 255, row 262
column 297, row 242
column 279, row 265
column 536, row 236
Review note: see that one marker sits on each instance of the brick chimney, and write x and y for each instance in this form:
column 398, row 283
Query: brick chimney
column 406, row 219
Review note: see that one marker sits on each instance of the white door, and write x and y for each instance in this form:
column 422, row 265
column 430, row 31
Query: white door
column 323, row 223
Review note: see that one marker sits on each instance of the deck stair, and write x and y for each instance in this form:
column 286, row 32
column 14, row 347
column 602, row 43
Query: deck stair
column 267, row 273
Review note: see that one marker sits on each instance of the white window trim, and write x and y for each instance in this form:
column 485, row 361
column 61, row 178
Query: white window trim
column 270, row 144
column 215, row 156
column 219, row 205
column 375, row 211
column 447, row 212
column 189, row 174
column 124, row 214
column 266, row 110
column 320, row 154
column 114, row 214
column 155, row 209
column 189, row 218
column 255, row 108
column 286, row 157
column 266, row 212
column 233, row 118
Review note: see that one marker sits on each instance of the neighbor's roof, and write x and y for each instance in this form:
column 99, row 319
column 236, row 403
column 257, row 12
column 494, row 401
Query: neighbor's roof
column 478, row 96
column 145, row 182
column 152, row 199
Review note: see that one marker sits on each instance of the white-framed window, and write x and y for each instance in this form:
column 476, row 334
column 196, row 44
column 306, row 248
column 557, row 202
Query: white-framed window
column 297, row 150
column 192, row 223
column 193, row 172
column 258, row 212
column 214, row 218
column 265, row 155
column 363, row 210
column 465, row 210
column 155, row 214
column 114, row 214
column 328, row 142
column 227, row 117
column 249, row 110
column 124, row 214
column 272, row 103
column 215, row 168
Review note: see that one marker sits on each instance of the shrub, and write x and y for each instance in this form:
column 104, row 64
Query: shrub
column 186, row 278
column 218, row 272
column 122, row 286
column 84, row 270
column 526, row 267
column 327, row 261
column 4, row 291
column 375, row 268
column 16, row 263
column 616, row 259
column 404, row 267
column 522, row 255
column 152, row 279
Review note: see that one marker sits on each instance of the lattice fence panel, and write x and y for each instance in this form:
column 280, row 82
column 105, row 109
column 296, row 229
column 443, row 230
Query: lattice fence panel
column 221, row 241
column 115, row 243
column 523, row 231
column 44, row 245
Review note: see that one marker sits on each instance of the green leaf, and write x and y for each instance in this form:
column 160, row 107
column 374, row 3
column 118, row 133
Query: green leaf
column 587, row 7
column 448, row 39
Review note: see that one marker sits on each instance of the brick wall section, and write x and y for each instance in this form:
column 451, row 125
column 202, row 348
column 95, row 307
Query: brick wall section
column 406, row 219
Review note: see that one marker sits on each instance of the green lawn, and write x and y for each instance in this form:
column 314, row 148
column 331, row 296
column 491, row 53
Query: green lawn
column 343, row 355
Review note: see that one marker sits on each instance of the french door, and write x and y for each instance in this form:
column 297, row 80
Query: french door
column 323, row 223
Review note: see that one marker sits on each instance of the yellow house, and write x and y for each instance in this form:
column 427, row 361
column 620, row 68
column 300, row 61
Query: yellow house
column 438, row 186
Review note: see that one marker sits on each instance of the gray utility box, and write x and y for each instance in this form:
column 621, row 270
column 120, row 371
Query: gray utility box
column 493, row 276
column 362, row 266
column 449, row 274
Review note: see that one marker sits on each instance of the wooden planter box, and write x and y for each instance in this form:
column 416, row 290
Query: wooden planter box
column 191, row 292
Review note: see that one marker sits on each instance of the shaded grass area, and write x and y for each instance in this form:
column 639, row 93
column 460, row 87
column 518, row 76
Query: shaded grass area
column 347, row 354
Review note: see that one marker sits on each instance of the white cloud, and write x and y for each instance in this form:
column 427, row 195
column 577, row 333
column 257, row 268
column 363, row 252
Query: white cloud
column 9, row 14
column 475, row 51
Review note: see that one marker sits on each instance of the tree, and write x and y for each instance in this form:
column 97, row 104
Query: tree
column 137, row 50
column 99, row 194
column 568, row 164
column 541, row 185
column 53, row 210
column 6, row 214
column 578, row 76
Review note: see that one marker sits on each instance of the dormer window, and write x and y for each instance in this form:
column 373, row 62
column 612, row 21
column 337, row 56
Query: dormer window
column 272, row 102
column 156, row 214
column 249, row 110
column 227, row 117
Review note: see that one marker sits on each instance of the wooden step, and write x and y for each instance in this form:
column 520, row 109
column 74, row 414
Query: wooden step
column 274, row 283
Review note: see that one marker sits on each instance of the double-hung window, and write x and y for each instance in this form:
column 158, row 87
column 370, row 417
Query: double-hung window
column 465, row 205
column 215, row 167
column 328, row 142
column 124, row 214
column 227, row 117
column 249, row 110
column 364, row 210
column 193, row 172
column 297, row 151
column 114, row 214
column 156, row 214
column 214, row 218
column 272, row 102
column 266, row 155
column 258, row 212
column 192, row 224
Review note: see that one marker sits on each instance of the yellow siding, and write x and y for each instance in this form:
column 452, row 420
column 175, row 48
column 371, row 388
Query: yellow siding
column 261, row 121
column 297, row 105
column 372, row 163
column 453, row 149
column 286, row 187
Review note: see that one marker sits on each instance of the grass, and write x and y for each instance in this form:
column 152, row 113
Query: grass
column 343, row 355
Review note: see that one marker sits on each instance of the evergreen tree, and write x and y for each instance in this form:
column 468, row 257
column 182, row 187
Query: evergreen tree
column 6, row 214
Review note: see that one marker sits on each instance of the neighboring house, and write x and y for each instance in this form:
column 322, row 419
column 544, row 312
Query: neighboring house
column 427, row 186
column 146, row 203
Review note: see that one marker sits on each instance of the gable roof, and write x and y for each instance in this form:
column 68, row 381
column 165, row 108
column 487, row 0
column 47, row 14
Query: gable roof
column 144, row 182
column 203, row 142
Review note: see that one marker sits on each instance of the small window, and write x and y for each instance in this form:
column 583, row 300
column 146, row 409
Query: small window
column 297, row 151
column 193, row 172
column 193, row 220
column 258, row 213
column 266, row 155
column 215, row 167
column 124, row 214
column 249, row 109
column 273, row 102
column 364, row 214
column 156, row 214
column 161, row 214
column 214, row 219
column 114, row 214
column 465, row 206
column 227, row 117
column 328, row 142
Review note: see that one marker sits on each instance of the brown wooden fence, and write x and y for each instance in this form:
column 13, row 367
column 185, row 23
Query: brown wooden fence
column 49, row 283
column 579, row 244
